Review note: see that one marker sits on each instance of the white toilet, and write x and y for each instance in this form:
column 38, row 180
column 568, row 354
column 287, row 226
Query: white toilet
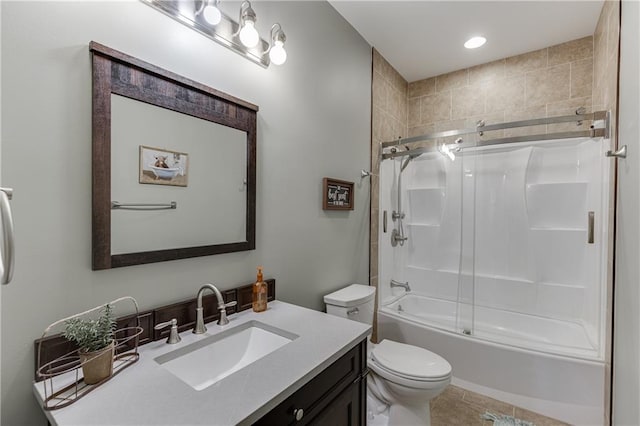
column 403, row 378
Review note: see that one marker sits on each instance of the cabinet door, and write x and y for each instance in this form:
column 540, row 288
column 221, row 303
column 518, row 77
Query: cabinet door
column 310, row 401
column 344, row 410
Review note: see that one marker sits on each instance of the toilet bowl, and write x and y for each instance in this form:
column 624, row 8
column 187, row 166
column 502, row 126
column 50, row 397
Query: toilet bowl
column 403, row 378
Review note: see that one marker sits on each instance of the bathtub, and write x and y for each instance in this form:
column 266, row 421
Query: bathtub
column 560, row 375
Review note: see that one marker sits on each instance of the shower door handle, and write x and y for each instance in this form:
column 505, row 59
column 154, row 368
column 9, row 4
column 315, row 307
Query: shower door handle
column 619, row 153
column 384, row 221
column 590, row 226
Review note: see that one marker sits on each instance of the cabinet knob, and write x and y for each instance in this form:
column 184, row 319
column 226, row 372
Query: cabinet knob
column 298, row 413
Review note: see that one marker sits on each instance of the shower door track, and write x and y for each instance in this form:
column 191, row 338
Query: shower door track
column 481, row 128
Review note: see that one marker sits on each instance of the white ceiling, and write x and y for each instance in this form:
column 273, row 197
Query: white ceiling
column 422, row 39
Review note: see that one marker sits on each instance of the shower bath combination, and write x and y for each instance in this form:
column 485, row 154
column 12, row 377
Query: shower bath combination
column 504, row 260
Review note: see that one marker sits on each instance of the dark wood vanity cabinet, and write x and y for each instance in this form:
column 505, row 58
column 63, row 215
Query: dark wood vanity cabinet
column 337, row 396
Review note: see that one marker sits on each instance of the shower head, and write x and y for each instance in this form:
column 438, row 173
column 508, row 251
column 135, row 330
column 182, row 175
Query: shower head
column 408, row 160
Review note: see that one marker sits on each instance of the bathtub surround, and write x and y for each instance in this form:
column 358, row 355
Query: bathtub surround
column 559, row 79
column 314, row 106
column 548, row 82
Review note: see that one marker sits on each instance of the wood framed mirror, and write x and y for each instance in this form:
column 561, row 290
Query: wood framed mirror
column 174, row 165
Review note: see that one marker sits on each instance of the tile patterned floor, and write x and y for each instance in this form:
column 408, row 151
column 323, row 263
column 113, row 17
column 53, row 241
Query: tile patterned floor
column 457, row 406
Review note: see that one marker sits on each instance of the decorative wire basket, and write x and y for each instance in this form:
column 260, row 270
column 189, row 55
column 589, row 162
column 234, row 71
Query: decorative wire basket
column 63, row 382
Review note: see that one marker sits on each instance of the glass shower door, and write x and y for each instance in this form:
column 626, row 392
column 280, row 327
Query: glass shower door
column 465, row 301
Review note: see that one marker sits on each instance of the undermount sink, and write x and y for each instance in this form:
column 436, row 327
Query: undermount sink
column 207, row 361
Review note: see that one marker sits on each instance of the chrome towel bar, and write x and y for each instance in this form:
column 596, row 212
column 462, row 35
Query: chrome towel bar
column 116, row 205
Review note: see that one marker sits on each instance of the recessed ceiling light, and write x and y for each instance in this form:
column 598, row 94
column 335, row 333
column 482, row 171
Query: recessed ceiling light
column 475, row 42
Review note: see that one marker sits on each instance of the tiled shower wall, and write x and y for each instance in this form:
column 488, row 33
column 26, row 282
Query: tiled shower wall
column 389, row 121
column 543, row 83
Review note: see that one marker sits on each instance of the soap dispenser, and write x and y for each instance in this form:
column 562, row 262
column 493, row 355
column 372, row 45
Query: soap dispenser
column 259, row 293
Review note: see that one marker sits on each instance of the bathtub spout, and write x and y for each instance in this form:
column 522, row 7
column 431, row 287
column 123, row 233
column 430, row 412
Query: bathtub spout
column 404, row 285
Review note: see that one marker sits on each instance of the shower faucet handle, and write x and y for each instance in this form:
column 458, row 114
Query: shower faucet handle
column 397, row 215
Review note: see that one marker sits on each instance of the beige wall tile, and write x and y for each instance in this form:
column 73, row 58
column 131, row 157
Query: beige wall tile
column 489, row 71
column 397, row 104
column 538, row 111
column 570, row 51
column 449, row 125
column 547, row 85
column 375, row 152
column 600, row 50
column 453, row 79
column 568, row 108
column 398, row 82
column 441, row 126
column 526, row 62
column 467, row 101
column 493, row 118
column 610, row 86
column 421, row 130
column 505, row 94
column 374, row 247
column 613, row 28
column 413, row 112
column 399, row 129
column 389, row 131
column 581, row 78
column 376, row 123
column 377, row 59
column 379, row 91
column 386, row 69
column 435, row 107
column 421, row 88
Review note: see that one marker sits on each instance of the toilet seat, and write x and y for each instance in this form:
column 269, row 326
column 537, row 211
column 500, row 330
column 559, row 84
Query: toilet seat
column 398, row 361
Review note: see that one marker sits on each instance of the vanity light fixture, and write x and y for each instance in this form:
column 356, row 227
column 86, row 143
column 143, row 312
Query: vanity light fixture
column 205, row 17
column 248, row 33
column 475, row 42
column 277, row 54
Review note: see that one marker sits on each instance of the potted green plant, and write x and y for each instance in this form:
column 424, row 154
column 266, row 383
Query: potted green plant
column 95, row 339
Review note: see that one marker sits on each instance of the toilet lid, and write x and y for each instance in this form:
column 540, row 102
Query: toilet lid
column 410, row 361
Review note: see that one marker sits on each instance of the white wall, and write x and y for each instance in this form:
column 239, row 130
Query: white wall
column 626, row 352
column 314, row 121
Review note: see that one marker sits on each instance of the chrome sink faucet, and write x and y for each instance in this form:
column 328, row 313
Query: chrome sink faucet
column 222, row 307
column 404, row 285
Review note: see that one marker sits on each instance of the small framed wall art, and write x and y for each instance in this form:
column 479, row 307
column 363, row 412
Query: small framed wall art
column 163, row 167
column 337, row 194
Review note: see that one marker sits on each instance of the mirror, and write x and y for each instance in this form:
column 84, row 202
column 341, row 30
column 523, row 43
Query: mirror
column 173, row 165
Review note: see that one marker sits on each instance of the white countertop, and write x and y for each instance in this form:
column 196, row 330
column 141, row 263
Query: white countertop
column 146, row 393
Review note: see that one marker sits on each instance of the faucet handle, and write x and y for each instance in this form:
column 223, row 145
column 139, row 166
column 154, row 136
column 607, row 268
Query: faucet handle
column 174, row 337
column 230, row 304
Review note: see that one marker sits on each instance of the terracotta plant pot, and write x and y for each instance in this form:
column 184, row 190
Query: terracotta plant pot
column 97, row 365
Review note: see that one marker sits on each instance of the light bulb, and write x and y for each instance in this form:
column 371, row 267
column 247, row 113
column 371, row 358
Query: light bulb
column 277, row 54
column 212, row 14
column 475, row 42
column 248, row 34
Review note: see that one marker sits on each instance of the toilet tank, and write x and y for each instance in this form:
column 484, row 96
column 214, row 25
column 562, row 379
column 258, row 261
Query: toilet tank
column 354, row 302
